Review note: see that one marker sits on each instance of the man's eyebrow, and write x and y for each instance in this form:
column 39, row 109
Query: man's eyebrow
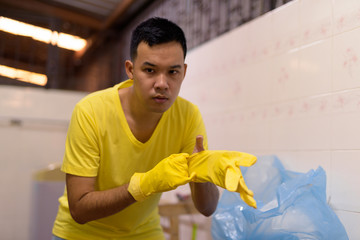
column 149, row 64
column 153, row 65
column 175, row 66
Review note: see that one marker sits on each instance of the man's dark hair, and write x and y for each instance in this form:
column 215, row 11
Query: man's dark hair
column 156, row 31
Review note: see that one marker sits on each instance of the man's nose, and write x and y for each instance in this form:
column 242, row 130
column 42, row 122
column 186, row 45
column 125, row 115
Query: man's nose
column 161, row 82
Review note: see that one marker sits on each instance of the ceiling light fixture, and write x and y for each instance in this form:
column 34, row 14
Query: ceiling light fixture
column 62, row 40
column 22, row 75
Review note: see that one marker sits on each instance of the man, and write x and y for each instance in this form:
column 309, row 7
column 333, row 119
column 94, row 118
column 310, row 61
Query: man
column 126, row 129
column 129, row 143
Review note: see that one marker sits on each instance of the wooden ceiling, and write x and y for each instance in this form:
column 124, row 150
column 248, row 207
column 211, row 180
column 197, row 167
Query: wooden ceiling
column 93, row 20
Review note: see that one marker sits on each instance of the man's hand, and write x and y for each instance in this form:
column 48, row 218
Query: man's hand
column 223, row 169
column 199, row 146
column 167, row 175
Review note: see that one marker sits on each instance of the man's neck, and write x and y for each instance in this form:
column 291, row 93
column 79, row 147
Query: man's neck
column 141, row 122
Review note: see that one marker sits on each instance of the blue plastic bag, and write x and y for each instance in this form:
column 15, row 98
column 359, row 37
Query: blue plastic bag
column 290, row 205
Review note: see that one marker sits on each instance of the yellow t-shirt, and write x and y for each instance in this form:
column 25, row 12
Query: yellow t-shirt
column 100, row 144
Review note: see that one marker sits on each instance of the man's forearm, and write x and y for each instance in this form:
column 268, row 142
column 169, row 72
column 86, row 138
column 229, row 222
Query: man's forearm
column 205, row 197
column 99, row 204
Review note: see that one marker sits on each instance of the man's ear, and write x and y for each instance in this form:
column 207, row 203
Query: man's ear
column 129, row 67
column 185, row 67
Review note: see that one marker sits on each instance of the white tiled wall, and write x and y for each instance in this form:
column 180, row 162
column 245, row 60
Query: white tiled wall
column 288, row 83
column 27, row 147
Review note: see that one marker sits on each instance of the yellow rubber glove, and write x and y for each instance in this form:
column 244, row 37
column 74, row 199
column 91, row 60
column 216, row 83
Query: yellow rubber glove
column 167, row 175
column 223, row 169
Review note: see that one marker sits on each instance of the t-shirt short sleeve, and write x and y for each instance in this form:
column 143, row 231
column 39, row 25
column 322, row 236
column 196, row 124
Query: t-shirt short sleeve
column 82, row 150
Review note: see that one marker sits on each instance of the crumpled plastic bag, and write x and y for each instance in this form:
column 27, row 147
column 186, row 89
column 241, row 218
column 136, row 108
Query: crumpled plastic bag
column 291, row 206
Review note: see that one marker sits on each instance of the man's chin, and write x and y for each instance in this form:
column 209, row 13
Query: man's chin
column 160, row 109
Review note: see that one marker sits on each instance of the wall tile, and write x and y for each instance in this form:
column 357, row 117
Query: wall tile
column 315, row 20
column 284, row 75
column 312, row 133
column 300, row 134
column 301, row 124
column 240, row 42
column 345, row 132
column 351, row 221
column 280, row 133
column 256, row 85
column 261, row 36
column 235, row 87
column 346, row 15
column 256, row 136
column 315, row 64
column 346, row 61
column 345, row 179
column 286, row 26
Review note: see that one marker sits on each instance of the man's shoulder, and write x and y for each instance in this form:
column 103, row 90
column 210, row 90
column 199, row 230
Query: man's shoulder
column 97, row 101
column 99, row 95
column 184, row 103
column 185, row 106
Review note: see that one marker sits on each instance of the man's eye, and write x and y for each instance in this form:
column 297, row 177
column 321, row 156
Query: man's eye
column 174, row 71
column 149, row 70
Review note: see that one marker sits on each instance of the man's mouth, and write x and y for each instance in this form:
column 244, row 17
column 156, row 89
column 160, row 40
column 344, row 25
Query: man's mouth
column 160, row 98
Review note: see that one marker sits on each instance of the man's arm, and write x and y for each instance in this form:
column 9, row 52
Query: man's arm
column 86, row 204
column 204, row 195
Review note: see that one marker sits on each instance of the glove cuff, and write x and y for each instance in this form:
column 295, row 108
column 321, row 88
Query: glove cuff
column 134, row 188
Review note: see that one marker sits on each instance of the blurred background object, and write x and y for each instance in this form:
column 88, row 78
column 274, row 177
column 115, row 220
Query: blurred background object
column 48, row 185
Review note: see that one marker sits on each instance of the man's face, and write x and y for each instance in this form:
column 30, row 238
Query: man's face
column 158, row 72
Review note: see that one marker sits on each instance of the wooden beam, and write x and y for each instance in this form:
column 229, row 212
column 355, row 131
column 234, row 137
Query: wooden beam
column 40, row 7
column 119, row 10
column 98, row 38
